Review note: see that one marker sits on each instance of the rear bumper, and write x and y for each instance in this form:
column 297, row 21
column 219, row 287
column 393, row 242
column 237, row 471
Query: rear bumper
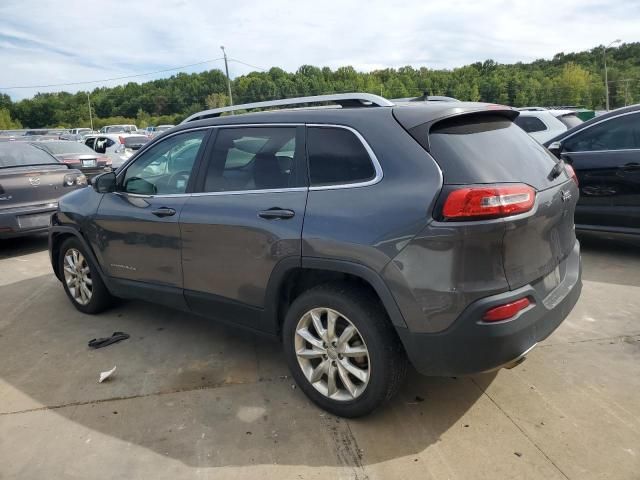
column 11, row 225
column 472, row 346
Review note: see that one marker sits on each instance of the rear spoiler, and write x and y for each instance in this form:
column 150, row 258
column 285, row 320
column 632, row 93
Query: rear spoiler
column 418, row 121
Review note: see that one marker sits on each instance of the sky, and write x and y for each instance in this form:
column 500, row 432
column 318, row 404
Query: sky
column 64, row 41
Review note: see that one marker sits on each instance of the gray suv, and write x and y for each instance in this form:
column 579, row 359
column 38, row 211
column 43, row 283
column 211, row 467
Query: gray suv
column 360, row 233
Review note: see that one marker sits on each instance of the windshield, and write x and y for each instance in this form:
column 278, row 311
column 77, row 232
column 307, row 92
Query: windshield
column 16, row 154
column 57, row 148
column 114, row 129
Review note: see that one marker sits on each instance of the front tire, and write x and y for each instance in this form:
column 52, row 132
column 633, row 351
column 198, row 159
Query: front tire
column 81, row 279
column 342, row 350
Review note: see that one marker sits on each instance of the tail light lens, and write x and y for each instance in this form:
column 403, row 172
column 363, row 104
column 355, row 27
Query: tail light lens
column 70, row 160
column 121, row 140
column 71, row 179
column 506, row 311
column 571, row 172
column 105, row 159
column 473, row 203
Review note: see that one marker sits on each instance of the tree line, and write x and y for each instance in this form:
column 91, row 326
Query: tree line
column 566, row 79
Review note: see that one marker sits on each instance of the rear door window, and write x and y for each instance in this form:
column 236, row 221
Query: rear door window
column 619, row 133
column 570, row 120
column 336, row 157
column 256, row 158
column 530, row 124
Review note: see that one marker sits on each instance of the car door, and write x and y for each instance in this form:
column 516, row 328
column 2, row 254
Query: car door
column 245, row 218
column 138, row 232
column 606, row 158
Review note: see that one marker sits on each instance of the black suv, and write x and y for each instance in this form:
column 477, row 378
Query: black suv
column 361, row 236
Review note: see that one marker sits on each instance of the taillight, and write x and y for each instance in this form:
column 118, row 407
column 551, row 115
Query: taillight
column 571, row 172
column 472, row 203
column 70, row 160
column 105, row 159
column 121, row 140
column 506, row 311
column 71, row 179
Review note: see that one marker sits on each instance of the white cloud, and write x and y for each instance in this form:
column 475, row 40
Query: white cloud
column 45, row 41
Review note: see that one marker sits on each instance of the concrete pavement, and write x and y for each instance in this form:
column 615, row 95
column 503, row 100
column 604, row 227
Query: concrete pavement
column 193, row 399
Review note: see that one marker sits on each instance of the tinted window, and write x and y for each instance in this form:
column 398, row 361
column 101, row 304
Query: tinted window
column 530, row 124
column 337, row 156
column 620, row 133
column 488, row 149
column 166, row 167
column 90, row 142
column 15, row 154
column 58, row 148
column 254, row 158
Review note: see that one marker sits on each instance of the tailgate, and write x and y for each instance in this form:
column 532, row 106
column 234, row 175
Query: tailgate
column 535, row 245
column 489, row 149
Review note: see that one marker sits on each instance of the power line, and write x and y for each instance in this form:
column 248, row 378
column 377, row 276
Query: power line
column 247, row 64
column 114, row 78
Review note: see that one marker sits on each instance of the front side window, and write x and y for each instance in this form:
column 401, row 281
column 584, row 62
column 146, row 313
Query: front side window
column 337, row 156
column 620, row 133
column 255, row 158
column 530, row 124
column 166, row 167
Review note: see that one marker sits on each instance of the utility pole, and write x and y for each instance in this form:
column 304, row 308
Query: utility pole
column 226, row 68
column 606, row 79
column 90, row 115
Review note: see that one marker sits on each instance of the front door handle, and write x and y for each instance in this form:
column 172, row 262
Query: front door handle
column 275, row 213
column 164, row 212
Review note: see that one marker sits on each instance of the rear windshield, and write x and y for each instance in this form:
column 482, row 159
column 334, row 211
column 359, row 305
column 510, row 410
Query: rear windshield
column 489, row 149
column 570, row 120
column 16, row 154
column 57, row 148
column 135, row 141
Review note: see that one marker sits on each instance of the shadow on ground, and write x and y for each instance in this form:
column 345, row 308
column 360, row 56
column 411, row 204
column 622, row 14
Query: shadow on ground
column 609, row 257
column 193, row 390
column 14, row 247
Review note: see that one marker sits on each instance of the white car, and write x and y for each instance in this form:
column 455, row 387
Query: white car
column 543, row 124
column 119, row 129
column 118, row 147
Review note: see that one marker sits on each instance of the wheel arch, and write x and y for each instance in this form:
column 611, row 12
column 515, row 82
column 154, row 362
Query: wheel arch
column 58, row 235
column 292, row 276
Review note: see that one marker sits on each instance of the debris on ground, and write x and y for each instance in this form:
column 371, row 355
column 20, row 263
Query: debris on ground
column 105, row 375
column 106, row 341
column 517, row 454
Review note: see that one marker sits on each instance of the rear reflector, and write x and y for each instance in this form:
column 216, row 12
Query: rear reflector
column 571, row 172
column 471, row 203
column 508, row 310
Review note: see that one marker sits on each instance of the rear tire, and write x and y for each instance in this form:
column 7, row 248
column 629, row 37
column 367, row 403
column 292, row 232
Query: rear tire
column 81, row 279
column 367, row 368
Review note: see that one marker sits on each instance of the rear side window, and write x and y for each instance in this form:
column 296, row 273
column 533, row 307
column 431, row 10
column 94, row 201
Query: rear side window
column 489, row 149
column 620, row 133
column 337, row 156
column 530, row 124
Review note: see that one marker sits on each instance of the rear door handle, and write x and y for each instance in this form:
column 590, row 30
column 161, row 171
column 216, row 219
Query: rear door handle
column 164, row 212
column 275, row 213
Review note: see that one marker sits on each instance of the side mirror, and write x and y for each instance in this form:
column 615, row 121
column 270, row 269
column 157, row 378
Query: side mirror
column 555, row 148
column 104, row 183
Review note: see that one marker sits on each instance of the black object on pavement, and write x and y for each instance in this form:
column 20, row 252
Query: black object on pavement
column 106, row 341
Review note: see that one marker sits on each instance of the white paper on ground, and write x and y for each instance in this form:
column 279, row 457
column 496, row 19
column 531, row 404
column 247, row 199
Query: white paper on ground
column 105, row 375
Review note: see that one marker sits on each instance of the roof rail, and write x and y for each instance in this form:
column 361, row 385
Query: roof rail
column 342, row 99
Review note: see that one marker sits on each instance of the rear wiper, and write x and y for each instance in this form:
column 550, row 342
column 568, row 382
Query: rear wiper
column 556, row 170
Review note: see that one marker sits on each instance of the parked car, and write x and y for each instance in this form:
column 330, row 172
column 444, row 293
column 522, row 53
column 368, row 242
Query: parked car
column 77, row 156
column 161, row 129
column 543, row 124
column 118, row 147
column 119, row 129
column 605, row 153
column 76, row 134
column 360, row 237
column 31, row 182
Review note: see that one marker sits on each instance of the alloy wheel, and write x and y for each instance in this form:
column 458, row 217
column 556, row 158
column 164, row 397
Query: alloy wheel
column 77, row 276
column 332, row 354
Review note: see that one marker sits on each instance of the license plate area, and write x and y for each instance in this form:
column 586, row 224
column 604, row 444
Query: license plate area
column 37, row 220
column 88, row 163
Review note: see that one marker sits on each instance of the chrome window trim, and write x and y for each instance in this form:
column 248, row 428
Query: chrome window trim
column 372, row 156
column 249, row 192
column 601, row 151
column 635, row 112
